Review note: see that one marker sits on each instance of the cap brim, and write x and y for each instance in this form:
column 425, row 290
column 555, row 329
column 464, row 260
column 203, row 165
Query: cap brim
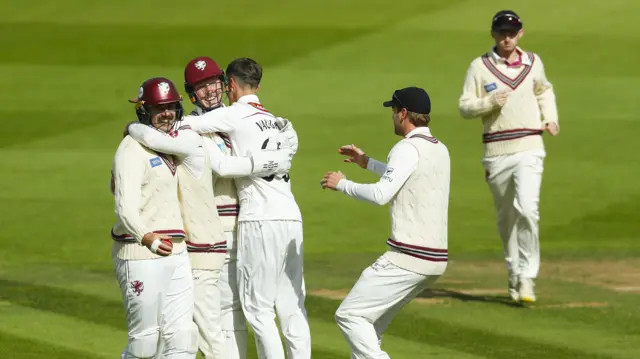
column 389, row 104
column 133, row 100
column 506, row 28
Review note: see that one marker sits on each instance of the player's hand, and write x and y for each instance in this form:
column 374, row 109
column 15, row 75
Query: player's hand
column 163, row 247
column 501, row 97
column 286, row 129
column 355, row 155
column 331, row 179
column 552, row 128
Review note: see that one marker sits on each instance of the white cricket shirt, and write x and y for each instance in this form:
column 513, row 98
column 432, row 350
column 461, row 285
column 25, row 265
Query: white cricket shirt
column 251, row 128
column 401, row 162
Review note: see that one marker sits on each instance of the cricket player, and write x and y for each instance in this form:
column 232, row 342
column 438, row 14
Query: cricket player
column 415, row 180
column 508, row 89
column 149, row 250
column 205, row 83
column 269, row 263
column 205, row 238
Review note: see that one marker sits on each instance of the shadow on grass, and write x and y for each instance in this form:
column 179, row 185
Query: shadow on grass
column 493, row 299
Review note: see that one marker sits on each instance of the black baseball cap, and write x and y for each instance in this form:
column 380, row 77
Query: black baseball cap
column 414, row 99
column 506, row 20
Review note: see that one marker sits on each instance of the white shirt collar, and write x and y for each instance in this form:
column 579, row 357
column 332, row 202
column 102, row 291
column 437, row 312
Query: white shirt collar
column 500, row 60
column 419, row 130
column 249, row 98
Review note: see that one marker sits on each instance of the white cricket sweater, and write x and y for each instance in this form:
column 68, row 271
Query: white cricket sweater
column 226, row 194
column 146, row 200
column 516, row 126
column 420, row 211
column 416, row 182
column 205, row 240
column 225, row 191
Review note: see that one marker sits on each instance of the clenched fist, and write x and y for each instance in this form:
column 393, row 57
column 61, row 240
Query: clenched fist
column 501, row 97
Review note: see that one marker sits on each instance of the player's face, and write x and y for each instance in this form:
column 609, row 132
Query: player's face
column 232, row 90
column 163, row 116
column 397, row 117
column 506, row 41
column 209, row 93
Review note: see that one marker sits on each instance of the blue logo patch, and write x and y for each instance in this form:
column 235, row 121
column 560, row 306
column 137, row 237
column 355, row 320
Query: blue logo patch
column 221, row 146
column 490, row 87
column 155, row 162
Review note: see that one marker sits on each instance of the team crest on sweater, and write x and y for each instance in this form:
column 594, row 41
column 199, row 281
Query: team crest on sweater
column 490, row 87
column 155, row 162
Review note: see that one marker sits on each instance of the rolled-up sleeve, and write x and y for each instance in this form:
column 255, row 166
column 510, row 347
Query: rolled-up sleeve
column 402, row 162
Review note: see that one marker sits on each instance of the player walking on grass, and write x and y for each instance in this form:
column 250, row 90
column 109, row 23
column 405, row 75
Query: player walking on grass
column 149, row 250
column 205, row 84
column 416, row 182
column 270, row 245
column 205, row 239
column 508, row 89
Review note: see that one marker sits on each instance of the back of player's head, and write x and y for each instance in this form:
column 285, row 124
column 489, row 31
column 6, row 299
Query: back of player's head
column 245, row 71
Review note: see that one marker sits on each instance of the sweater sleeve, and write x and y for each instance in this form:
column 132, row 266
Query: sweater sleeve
column 227, row 166
column 128, row 175
column 545, row 95
column 470, row 104
column 183, row 143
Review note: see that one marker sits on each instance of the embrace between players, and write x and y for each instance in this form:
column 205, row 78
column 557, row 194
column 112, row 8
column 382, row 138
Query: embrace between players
column 209, row 235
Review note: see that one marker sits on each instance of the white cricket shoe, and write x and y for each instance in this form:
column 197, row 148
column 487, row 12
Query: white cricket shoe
column 526, row 290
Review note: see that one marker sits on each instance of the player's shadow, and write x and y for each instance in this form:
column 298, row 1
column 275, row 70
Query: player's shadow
column 435, row 293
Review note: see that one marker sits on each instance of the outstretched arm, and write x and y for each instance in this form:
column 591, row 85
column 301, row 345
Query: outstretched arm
column 403, row 160
column 262, row 163
column 183, row 143
column 357, row 156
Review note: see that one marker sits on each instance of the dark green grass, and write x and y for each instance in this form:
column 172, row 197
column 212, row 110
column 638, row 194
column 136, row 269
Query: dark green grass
column 67, row 69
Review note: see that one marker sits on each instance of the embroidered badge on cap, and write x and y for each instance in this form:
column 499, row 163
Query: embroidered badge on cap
column 490, row 87
column 155, row 162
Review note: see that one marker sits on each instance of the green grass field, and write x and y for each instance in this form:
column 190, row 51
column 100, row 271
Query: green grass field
column 68, row 67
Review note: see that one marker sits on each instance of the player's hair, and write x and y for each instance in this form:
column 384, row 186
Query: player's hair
column 245, row 71
column 417, row 119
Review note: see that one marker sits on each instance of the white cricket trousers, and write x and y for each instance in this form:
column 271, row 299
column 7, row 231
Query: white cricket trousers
column 270, row 258
column 207, row 315
column 381, row 291
column 158, row 302
column 234, row 324
column 515, row 181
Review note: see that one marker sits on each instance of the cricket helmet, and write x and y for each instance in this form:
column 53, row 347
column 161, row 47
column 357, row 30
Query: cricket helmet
column 200, row 69
column 156, row 91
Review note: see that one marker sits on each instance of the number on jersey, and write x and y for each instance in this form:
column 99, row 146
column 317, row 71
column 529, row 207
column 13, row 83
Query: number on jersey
column 272, row 177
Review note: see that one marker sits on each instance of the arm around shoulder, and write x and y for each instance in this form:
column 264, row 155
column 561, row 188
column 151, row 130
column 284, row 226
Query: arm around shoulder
column 219, row 120
column 183, row 142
